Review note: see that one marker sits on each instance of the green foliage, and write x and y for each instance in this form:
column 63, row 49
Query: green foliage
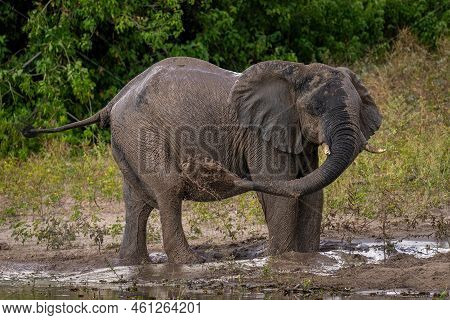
column 116, row 229
column 63, row 60
column 428, row 19
column 74, row 61
column 41, row 183
column 53, row 231
column 57, row 232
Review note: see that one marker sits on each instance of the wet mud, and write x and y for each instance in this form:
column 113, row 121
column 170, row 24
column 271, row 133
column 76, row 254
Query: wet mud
column 415, row 268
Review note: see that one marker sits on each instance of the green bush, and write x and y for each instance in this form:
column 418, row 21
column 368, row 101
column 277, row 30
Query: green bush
column 63, row 60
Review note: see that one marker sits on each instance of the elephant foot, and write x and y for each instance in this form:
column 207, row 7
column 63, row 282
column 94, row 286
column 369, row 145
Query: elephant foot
column 280, row 246
column 308, row 247
column 275, row 249
column 188, row 257
column 134, row 260
column 133, row 257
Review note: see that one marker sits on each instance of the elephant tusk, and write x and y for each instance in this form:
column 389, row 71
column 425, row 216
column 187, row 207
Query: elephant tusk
column 326, row 149
column 373, row 149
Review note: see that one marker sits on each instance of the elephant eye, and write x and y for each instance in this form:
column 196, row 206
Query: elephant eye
column 325, row 97
column 304, row 84
column 317, row 108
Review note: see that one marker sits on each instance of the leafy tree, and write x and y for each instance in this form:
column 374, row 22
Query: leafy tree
column 63, row 60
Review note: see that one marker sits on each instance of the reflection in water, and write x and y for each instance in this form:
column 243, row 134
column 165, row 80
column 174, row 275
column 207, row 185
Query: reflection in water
column 162, row 293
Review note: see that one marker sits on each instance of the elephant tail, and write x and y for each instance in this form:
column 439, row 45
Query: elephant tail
column 102, row 117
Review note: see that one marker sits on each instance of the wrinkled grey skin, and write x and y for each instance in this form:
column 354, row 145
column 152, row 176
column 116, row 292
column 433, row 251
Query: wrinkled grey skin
column 242, row 114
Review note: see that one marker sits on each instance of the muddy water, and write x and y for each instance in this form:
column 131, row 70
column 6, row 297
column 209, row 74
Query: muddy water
column 216, row 279
column 375, row 252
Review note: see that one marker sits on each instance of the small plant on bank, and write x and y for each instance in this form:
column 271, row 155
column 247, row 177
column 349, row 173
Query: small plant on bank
column 54, row 232
column 21, row 231
column 116, row 229
column 443, row 295
column 57, row 232
column 441, row 227
column 306, row 284
column 266, row 271
column 153, row 228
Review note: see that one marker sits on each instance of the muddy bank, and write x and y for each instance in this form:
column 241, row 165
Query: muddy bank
column 363, row 268
column 357, row 259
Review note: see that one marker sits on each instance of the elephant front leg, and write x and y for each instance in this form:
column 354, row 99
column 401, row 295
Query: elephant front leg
column 281, row 217
column 294, row 225
column 310, row 209
column 134, row 245
column 174, row 240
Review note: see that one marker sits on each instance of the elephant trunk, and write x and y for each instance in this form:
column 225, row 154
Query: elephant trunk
column 342, row 137
column 343, row 149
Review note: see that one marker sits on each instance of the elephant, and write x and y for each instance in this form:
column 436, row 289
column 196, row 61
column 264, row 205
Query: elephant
column 185, row 129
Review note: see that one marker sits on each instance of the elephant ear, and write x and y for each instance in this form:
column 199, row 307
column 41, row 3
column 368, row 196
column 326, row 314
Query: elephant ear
column 370, row 116
column 264, row 99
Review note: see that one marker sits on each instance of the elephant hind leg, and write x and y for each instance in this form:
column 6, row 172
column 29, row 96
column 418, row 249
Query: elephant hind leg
column 174, row 239
column 134, row 242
